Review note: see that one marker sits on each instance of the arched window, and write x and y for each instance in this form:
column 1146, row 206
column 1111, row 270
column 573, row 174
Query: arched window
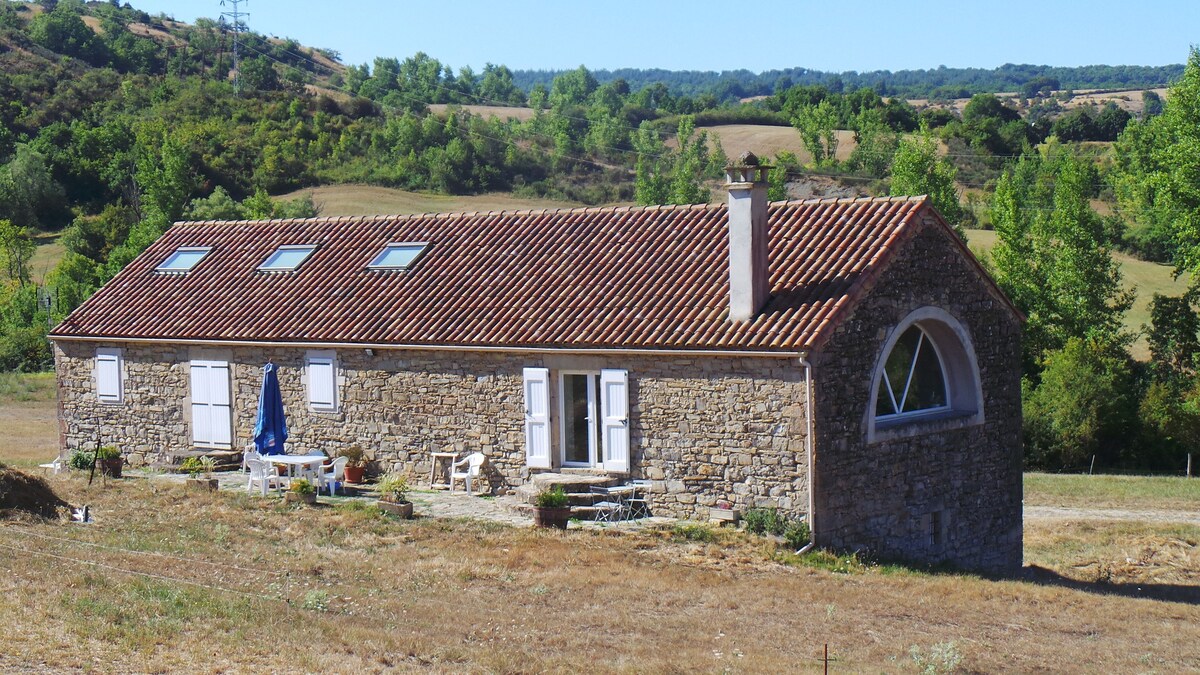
column 913, row 378
column 926, row 378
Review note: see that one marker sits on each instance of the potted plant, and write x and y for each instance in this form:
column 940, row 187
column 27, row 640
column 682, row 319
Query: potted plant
column 393, row 495
column 110, row 461
column 551, row 509
column 356, row 464
column 194, row 466
column 301, row 490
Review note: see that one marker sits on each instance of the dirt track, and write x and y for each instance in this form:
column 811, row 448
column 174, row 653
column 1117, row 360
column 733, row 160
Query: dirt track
column 1153, row 515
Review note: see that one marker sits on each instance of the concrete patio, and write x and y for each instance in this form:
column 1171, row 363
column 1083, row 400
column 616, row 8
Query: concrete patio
column 504, row 509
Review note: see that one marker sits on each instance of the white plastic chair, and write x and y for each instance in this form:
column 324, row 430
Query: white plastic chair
column 331, row 476
column 474, row 463
column 250, row 452
column 264, row 474
column 54, row 468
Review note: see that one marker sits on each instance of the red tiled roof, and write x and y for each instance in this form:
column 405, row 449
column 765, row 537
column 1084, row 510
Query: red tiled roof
column 624, row 277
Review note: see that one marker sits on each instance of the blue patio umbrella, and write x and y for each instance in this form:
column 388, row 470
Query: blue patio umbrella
column 270, row 428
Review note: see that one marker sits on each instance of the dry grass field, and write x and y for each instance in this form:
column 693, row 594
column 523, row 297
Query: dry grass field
column 170, row 579
column 365, row 200
column 500, row 111
column 766, row 141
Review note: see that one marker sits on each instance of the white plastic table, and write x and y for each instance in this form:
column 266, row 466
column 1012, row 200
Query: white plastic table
column 294, row 461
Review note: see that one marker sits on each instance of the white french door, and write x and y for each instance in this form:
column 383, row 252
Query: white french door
column 578, row 403
column 212, row 417
column 594, row 409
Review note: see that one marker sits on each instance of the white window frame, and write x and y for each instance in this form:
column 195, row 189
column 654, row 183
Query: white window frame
column 960, row 374
column 163, row 269
column 925, row 342
column 112, row 355
column 276, row 269
column 322, row 357
column 422, row 247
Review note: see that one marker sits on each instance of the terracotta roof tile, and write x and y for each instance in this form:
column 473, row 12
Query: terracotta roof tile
column 619, row 277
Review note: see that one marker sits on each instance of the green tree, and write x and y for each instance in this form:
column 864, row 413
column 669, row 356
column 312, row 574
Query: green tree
column 16, row 250
column 876, row 145
column 817, row 125
column 917, row 170
column 666, row 176
column 1174, row 335
column 163, row 174
column 1083, row 406
column 1051, row 256
column 62, row 30
column 1158, row 166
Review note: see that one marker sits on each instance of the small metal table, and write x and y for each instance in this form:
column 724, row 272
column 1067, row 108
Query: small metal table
column 439, row 467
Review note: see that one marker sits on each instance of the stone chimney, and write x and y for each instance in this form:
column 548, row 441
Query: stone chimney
column 749, row 283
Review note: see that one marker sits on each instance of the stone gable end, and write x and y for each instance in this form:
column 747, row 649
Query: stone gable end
column 963, row 481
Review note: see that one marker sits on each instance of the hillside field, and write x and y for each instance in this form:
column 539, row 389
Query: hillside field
column 365, row 200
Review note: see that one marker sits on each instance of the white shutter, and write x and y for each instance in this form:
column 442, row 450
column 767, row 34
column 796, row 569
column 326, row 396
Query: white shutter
column 201, row 418
column 212, row 419
column 108, row 375
column 537, row 418
column 614, row 419
column 322, row 383
column 222, row 414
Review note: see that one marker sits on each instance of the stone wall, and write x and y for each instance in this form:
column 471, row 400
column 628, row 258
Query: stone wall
column 961, row 479
column 702, row 428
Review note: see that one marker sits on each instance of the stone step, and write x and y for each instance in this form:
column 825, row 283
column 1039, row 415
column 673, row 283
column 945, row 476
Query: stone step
column 528, row 493
column 579, row 483
column 223, row 460
column 577, row 512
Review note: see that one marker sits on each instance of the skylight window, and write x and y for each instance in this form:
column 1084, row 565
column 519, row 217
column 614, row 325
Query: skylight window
column 398, row 256
column 287, row 258
column 183, row 259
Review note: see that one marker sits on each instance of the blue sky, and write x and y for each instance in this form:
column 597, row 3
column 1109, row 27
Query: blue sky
column 753, row 34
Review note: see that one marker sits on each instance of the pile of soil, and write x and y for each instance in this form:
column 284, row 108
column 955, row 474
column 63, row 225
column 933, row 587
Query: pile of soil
column 20, row 491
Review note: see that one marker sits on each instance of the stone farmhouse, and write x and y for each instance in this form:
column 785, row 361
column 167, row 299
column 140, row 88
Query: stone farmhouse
column 846, row 360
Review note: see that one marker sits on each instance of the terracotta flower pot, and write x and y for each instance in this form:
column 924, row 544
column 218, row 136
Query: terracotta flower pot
column 551, row 517
column 112, row 467
column 203, row 483
column 295, row 497
column 354, row 474
column 402, row 510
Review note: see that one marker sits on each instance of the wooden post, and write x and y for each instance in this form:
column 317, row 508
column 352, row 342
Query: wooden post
column 1189, row 469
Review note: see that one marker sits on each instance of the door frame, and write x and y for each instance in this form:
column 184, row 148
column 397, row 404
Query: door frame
column 595, row 452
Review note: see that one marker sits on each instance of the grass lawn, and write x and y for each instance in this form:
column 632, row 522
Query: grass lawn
column 1114, row 492
column 171, row 579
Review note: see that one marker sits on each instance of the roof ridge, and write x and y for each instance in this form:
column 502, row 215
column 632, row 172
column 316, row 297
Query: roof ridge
column 608, row 208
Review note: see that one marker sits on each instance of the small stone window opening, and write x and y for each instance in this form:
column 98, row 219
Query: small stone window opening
column 935, row 529
column 913, row 380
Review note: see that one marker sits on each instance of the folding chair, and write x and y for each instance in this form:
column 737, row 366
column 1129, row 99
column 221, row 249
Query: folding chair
column 611, row 507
